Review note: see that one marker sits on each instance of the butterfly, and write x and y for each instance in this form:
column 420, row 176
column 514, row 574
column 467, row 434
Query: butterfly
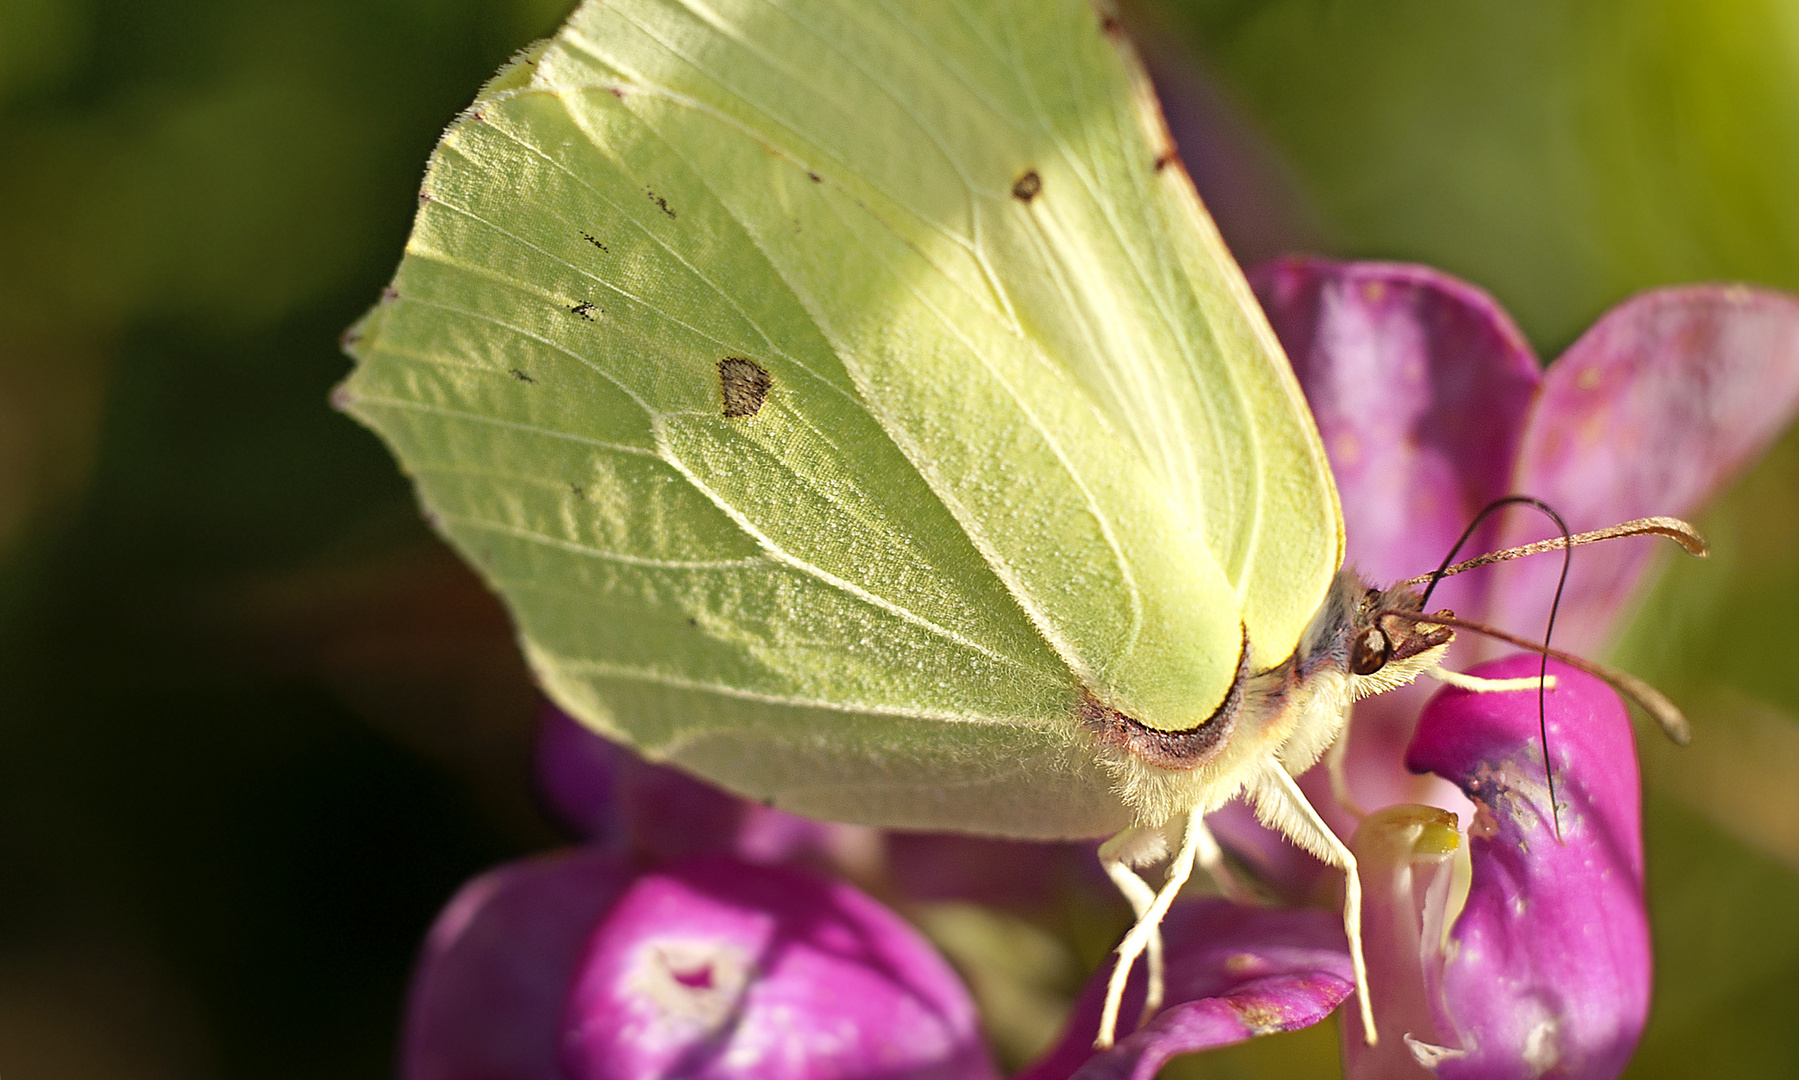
column 855, row 406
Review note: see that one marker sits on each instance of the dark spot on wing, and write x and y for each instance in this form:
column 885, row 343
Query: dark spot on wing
column 424, row 196
column 1026, row 187
column 1110, row 26
column 659, row 201
column 389, row 295
column 617, row 92
column 575, row 490
column 1168, row 158
column 691, row 621
column 815, row 178
column 594, row 240
column 585, row 310
column 744, row 385
column 520, row 376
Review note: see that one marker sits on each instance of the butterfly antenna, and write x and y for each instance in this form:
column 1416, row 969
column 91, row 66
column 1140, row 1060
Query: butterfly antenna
column 1567, row 546
column 1672, row 528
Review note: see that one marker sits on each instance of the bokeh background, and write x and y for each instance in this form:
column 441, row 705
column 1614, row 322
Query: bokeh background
column 256, row 724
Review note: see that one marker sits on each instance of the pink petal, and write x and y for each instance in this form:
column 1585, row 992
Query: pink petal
column 718, row 970
column 1233, row 973
column 1651, row 412
column 486, row 998
column 1419, row 383
column 1547, row 969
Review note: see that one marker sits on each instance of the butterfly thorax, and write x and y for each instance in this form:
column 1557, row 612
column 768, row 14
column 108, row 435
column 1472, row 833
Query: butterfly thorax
column 1353, row 647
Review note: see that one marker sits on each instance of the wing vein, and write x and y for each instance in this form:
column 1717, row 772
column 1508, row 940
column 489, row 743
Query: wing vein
column 512, row 425
column 484, row 525
column 769, row 345
column 989, row 551
column 843, row 585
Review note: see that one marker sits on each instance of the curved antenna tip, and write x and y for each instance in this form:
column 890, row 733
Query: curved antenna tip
column 1674, row 529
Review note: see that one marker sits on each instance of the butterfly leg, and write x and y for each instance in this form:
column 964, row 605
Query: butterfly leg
column 1149, row 922
column 1281, row 804
column 1487, row 686
column 1141, row 898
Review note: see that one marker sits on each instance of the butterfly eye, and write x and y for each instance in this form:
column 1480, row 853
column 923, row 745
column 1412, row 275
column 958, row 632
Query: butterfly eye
column 1370, row 652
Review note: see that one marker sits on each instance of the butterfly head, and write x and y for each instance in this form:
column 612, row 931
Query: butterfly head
column 1388, row 650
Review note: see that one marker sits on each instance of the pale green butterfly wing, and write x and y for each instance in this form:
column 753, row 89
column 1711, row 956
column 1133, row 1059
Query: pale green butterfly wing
column 1025, row 434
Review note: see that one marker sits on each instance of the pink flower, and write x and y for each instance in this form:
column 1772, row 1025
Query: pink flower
column 715, row 969
column 1431, row 406
column 581, row 965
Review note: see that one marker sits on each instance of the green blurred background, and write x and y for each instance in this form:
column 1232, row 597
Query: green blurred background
column 255, row 724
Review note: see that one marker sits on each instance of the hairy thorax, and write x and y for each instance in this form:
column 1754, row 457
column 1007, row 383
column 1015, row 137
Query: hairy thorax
column 1292, row 710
